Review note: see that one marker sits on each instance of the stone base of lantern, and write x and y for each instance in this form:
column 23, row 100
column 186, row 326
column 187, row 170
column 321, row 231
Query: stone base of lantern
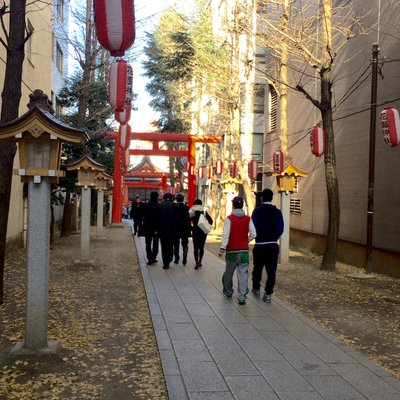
column 53, row 347
column 90, row 262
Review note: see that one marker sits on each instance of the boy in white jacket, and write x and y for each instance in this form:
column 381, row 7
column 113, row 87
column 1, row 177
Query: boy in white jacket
column 238, row 231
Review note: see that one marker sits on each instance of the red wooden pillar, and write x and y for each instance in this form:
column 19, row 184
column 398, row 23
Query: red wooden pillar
column 192, row 172
column 117, row 190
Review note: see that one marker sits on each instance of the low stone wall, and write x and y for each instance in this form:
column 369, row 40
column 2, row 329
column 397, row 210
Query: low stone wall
column 383, row 261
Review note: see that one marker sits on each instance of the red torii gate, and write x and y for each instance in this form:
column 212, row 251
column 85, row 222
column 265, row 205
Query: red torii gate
column 155, row 138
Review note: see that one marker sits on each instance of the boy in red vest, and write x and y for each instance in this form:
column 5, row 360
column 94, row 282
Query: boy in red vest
column 238, row 231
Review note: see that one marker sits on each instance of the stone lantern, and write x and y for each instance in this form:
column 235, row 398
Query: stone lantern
column 102, row 181
column 39, row 136
column 230, row 188
column 87, row 169
column 287, row 181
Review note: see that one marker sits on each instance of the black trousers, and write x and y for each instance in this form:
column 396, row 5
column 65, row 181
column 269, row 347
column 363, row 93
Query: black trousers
column 265, row 255
column 152, row 246
column 184, row 240
column 199, row 240
column 167, row 249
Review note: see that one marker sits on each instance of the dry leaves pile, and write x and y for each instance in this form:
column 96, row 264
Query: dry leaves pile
column 99, row 313
column 364, row 313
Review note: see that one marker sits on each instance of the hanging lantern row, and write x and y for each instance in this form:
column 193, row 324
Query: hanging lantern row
column 120, row 85
column 125, row 136
column 253, row 169
column 390, row 124
column 279, row 161
column 317, row 141
column 123, row 116
column 115, row 24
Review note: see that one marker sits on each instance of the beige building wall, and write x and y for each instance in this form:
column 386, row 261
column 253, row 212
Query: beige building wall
column 36, row 75
column 352, row 131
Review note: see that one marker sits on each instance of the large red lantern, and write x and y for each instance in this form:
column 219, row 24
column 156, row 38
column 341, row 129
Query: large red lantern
column 120, row 85
column 115, row 24
column 279, row 161
column 390, row 124
column 123, row 116
column 219, row 167
column 317, row 141
column 253, row 169
column 125, row 136
column 234, row 171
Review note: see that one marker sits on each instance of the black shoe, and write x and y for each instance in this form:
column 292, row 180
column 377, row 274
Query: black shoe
column 184, row 261
column 165, row 266
column 200, row 264
column 154, row 261
column 176, row 261
column 196, row 267
column 149, row 262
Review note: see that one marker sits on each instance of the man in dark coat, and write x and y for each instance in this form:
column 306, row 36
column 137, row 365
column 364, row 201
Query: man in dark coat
column 183, row 230
column 168, row 228
column 268, row 221
column 136, row 214
column 151, row 221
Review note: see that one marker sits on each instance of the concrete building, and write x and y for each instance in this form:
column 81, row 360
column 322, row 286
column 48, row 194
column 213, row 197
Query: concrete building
column 44, row 68
column 351, row 100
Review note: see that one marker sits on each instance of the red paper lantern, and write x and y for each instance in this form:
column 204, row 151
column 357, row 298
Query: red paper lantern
column 125, row 136
column 120, row 85
column 253, row 169
column 219, row 167
column 200, row 172
column 390, row 124
column 317, row 141
column 234, row 171
column 115, row 24
column 127, row 157
column 279, row 161
column 123, row 116
column 209, row 171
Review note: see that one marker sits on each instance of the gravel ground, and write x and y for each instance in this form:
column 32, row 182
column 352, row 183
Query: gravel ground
column 364, row 313
column 99, row 313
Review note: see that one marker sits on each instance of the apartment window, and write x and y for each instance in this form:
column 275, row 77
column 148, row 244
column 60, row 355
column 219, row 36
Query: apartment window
column 28, row 46
column 59, row 58
column 60, row 9
column 295, row 206
column 272, row 108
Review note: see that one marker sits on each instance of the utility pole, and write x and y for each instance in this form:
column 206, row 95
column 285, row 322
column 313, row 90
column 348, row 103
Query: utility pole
column 283, row 78
column 371, row 173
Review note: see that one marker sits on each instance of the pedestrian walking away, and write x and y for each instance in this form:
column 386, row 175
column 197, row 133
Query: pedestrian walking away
column 198, row 236
column 268, row 221
column 168, row 228
column 183, row 230
column 151, row 221
column 238, row 232
column 136, row 214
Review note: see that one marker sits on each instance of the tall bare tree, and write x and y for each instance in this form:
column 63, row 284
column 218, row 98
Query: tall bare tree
column 308, row 39
column 13, row 39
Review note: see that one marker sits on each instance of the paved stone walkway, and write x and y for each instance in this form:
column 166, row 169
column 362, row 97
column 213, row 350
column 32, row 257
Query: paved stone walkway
column 213, row 348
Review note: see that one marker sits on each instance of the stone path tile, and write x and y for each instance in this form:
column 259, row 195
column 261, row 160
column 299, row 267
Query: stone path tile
column 213, row 349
